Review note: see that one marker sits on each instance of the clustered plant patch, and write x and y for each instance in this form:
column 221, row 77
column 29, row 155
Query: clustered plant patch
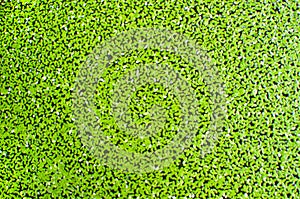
column 253, row 45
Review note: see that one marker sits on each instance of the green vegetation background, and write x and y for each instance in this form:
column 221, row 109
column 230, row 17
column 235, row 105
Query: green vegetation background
column 255, row 46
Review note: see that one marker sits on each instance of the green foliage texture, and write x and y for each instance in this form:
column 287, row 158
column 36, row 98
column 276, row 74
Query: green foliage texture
column 255, row 46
